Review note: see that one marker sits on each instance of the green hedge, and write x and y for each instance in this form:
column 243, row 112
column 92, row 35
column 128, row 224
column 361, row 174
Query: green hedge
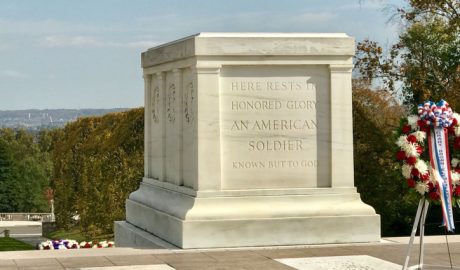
column 98, row 162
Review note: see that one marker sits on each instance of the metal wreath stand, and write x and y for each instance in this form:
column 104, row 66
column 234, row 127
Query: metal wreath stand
column 420, row 218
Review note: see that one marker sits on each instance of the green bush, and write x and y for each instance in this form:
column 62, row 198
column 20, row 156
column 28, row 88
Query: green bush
column 98, row 162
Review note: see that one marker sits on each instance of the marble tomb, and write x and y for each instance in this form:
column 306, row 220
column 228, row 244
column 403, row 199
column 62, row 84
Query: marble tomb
column 248, row 142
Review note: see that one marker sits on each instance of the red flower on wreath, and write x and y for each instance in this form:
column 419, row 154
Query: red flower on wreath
column 433, row 195
column 457, row 191
column 406, row 129
column 457, row 143
column 411, row 183
column 411, row 139
column 411, row 160
column 401, row 155
column 425, row 177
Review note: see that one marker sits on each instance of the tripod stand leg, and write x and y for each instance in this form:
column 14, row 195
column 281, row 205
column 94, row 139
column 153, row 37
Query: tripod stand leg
column 422, row 232
column 414, row 231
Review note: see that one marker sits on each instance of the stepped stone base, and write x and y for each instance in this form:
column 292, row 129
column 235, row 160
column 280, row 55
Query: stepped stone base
column 157, row 216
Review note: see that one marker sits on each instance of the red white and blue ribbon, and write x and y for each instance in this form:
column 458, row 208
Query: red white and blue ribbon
column 439, row 117
column 439, row 157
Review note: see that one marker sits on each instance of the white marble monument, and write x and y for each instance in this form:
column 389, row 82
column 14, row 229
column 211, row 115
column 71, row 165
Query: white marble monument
column 248, row 142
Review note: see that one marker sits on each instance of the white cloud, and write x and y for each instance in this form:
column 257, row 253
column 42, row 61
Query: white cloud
column 276, row 20
column 55, row 41
column 310, row 17
column 245, row 21
column 12, row 74
column 34, row 27
column 370, row 4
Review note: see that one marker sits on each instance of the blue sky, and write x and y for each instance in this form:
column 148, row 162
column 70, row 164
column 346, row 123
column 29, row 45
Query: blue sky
column 86, row 53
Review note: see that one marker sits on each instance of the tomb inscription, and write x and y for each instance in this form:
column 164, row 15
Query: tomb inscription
column 274, row 121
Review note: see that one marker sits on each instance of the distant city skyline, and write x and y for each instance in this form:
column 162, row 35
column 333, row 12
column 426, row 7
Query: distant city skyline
column 86, row 54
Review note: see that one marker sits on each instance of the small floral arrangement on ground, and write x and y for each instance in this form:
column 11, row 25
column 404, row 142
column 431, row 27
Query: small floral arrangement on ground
column 413, row 150
column 72, row 244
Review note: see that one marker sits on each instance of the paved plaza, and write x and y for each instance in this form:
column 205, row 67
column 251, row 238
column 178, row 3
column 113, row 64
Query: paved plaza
column 391, row 250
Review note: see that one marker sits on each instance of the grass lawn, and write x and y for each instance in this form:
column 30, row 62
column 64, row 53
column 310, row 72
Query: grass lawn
column 11, row 244
column 77, row 235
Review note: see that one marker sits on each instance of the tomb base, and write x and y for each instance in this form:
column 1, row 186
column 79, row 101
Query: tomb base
column 159, row 216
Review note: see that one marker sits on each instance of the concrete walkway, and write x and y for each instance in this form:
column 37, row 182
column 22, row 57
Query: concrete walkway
column 390, row 249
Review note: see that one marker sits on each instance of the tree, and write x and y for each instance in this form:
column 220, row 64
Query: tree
column 425, row 63
column 6, row 185
column 24, row 172
column 375, row 115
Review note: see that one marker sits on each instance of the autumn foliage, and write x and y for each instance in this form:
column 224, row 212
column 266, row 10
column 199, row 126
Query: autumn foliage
column 423, row 65
column 98, row 162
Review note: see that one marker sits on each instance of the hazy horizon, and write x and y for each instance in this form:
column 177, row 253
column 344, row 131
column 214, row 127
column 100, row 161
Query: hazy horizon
column 44, row 109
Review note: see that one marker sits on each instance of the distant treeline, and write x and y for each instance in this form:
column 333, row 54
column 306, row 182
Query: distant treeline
column 34, row 119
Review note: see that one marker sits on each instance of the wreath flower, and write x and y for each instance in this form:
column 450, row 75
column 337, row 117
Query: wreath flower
column 412, row 152
column 72, row 244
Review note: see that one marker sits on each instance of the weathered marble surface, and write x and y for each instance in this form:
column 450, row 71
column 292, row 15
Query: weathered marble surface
column 249, row 142
column 130, row 267
column 361, row 262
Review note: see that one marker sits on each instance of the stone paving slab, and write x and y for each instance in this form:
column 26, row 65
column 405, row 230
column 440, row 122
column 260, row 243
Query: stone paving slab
column 132, row 267
column 235, row 258
column 81, row 262
column 360, row 262
column 134, row 259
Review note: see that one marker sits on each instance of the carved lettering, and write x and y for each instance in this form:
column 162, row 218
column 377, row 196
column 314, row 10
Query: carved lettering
column 248, row 164
column 252, row 86
column 301, row 104
column 261, row 125
column 275, row 145
column 274, row 164
column 259, row 105
column 269, row 122
column 267, row 105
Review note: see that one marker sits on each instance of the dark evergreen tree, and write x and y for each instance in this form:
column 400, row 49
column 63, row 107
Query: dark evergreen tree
column 7, row 203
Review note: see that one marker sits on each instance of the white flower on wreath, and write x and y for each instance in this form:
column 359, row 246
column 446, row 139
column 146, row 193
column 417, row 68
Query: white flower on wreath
column 457, row 130
column 454, row 162
column 45, row 244
column 410, row 149
column 456, row 116
column 432, row 177
column 421, row 166
column 455, row 177
column 412, row 121
column 401, row 141
column 421, row 188
column 406, row 170
column 420, row 135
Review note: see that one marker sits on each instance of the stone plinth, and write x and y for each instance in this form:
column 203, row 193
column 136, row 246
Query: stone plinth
column 248, row 142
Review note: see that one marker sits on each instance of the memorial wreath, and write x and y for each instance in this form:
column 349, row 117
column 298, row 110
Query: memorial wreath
column 429, row 150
